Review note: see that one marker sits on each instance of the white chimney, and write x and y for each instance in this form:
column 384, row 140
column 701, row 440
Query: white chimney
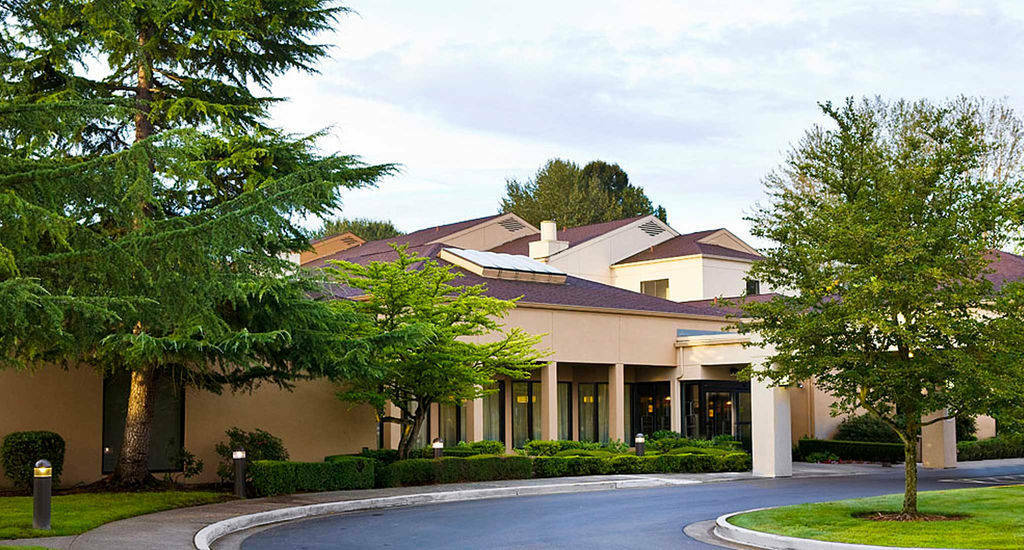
column 548, row 244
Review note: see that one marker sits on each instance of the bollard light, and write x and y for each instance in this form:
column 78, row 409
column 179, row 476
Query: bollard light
column 239, row 458
column 438, row 446
column 42, row 487
column 640, row 444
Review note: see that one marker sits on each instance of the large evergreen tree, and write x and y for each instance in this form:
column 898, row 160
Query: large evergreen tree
column 147, row 205
column 574, row 196
column 367, row 229
column 883, row 222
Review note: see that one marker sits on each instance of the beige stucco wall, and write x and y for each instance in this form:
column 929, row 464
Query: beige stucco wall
column 489, row 234
column 607, row 338
column 684, row 276
column 723, row 277
column 310, row 420
column 68, row 402
column 592, row 259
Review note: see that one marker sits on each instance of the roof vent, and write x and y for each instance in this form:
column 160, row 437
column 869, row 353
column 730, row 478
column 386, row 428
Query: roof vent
column 511, row 224
column 652, row 228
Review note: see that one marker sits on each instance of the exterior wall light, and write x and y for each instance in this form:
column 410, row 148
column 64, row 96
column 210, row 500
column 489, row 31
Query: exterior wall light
column 438, row 446
column 640, row 443
column 238, row 457
column 42, row 488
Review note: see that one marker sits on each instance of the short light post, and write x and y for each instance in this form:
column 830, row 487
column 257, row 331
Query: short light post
column 238, row 457
column 438, row 446
column 42, row 487
column 640, row 444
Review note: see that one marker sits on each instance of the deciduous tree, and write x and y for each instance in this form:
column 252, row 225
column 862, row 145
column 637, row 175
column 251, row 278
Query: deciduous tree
column 364, row 228
column 574, row 196
column 437, row 342
column 883, row 223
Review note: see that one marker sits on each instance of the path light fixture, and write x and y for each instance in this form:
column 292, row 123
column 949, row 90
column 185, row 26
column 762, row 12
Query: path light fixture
column 238, row 456
column 438, row 446
column 42, row 487
column 640, row 444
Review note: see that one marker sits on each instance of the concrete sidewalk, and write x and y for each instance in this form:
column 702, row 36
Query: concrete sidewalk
column 176, row 528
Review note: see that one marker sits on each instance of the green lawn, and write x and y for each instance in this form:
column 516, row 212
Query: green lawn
column 995, row 520
column 74, row 514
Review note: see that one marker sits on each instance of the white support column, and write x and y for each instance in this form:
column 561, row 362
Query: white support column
column 549, row 401
column 675, row 402
column 616, row 402
column 474, row 420
column 938, row 442
column 771, row 430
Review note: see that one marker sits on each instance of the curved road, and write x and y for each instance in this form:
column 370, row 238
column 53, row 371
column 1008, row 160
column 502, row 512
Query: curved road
column 640, row 518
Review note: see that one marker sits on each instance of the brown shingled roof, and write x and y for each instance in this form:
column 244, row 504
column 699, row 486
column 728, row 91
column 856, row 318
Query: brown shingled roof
column 573, row 235
column 687, row 245
column 1006, row 267
column 575, row 292
column 414, row 239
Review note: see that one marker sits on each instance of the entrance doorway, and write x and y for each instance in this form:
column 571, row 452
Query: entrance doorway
column 717, row 407
column 651, row 410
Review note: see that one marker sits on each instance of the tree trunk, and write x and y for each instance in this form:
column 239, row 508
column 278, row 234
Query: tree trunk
column 409, row 432
column 910, row 484
column 132, row 468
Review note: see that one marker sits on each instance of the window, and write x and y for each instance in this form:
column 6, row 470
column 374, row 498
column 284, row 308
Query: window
column 657, row 288
column 526, row 412
column 593, row 406
column 753, row 286
column 167, row 435
column 452, row 424
column 494, row 414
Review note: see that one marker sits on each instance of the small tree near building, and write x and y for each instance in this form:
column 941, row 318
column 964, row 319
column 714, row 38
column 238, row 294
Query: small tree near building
column 431, row 341
column 883, row 225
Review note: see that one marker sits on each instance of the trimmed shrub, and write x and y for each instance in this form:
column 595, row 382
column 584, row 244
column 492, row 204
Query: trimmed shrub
column 552, row 448
column 1001, row 446
column 663, row 434
column 559, row 466
column 668, row 443
column 853, row 450
column 422, row 471
column 20, row 451
column 866, row 427
column 258, row 445
column 277, row 477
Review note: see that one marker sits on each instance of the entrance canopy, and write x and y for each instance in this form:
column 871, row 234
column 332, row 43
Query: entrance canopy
column 712, row 358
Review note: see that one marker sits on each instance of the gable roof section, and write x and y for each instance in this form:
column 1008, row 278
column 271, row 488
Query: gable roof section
column 414, row 239
column 688, row 245
column 573, row 235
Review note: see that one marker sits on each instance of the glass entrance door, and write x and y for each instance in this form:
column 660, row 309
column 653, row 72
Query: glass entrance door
column 650, row 409
column 719, row 413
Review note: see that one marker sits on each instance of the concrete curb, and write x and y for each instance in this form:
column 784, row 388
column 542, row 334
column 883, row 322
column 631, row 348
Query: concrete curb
column 769, row 541
column 205, row 537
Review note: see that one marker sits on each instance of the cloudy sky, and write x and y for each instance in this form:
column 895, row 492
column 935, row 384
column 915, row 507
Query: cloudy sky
column 696, row 101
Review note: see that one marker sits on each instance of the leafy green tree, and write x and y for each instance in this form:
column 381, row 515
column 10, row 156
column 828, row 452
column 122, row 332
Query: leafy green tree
column 883, row 222
column 444, row 342
column 365, row 228
column 148, row 205
column 575, row 196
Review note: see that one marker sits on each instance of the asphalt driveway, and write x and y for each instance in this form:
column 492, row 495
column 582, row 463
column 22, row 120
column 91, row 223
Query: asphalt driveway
column 643, row 518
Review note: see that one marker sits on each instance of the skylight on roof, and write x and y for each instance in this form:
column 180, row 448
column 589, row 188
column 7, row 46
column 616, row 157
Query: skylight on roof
column 503, row 266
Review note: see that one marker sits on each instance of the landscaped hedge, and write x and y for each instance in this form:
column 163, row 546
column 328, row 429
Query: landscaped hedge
column 276, row 477
column 20, row 451
column 853, row 450
column 557, row 466
column 1001, row 446
column 425, row 471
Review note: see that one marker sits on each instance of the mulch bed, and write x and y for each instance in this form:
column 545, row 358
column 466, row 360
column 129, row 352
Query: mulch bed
column 900, row 516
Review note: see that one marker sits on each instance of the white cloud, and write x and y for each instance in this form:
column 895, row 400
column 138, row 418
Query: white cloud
column 697, row 103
